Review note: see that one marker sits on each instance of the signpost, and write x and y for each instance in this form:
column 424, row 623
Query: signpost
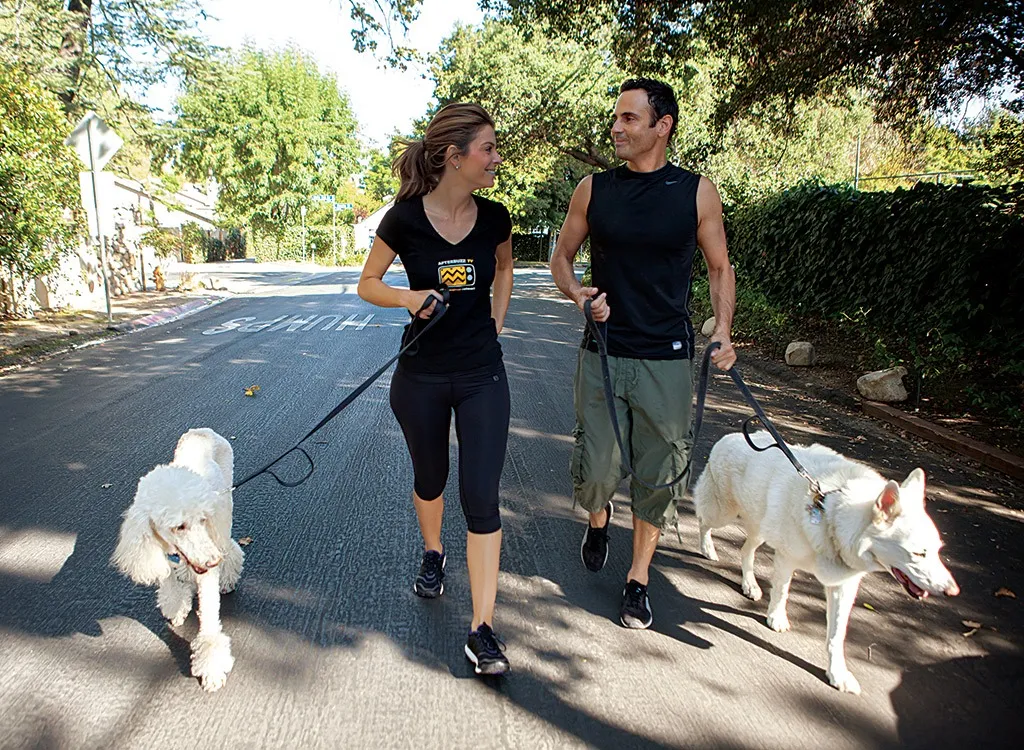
column 96, row 143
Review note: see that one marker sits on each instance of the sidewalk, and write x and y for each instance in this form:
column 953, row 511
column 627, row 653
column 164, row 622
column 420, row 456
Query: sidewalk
column 48, row 333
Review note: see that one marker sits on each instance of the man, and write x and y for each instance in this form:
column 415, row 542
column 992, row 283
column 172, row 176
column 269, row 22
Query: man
column 645, row 220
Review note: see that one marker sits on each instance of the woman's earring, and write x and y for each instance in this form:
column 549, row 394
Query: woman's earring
column 457, row 166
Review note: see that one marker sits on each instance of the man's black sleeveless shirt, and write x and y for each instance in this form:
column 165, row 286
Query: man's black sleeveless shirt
column 465, row 338
column 643, row 237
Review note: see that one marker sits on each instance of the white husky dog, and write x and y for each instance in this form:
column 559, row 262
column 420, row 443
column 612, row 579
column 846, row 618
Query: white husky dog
column 177, row 533
column 866, row 525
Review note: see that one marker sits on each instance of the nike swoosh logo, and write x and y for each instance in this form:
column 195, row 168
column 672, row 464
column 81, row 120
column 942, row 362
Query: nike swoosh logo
column 671, row 182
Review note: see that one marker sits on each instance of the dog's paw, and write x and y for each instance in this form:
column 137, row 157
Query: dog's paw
column 212, row 660
column 752, row 591
column 844, row 681
column 708, row 550
column 178, row 620
column 778, row 622
column 227, row 588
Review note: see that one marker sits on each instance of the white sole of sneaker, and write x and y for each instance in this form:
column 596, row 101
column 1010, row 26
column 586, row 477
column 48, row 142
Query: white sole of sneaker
column 427, row 596
column 637, row 625
column 608, row 522
column 476, row 664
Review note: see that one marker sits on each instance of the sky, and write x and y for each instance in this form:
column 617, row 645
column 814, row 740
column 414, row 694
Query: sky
column 382, row 100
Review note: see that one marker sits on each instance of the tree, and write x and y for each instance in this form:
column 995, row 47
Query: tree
column 272, row 129
column 552, row 98
column 1001, row 153
column 379, row 182
column 81, row 48
column 39, row 180
column 916, row 56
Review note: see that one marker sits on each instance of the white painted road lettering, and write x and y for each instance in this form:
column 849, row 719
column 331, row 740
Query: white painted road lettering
column 290, row 324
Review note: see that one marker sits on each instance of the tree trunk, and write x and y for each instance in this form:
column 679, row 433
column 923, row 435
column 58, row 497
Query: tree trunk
column 73, row 48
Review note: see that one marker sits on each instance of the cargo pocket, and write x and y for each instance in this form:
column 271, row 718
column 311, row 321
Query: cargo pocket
column 576, row 462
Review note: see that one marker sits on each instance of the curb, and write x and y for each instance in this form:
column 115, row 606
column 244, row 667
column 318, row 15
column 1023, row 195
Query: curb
column 988, row 455
column 167, row 316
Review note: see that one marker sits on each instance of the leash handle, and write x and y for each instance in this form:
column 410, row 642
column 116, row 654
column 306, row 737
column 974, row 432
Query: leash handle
column 439, row 310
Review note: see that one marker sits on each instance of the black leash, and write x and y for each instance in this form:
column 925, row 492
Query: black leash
column 702, row 387
column 439, row 311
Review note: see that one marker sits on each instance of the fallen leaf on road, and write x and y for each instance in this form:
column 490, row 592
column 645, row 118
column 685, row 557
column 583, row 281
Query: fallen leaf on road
column 971, row 624
column 245, row 541
column 107, row 486
column 1006, row 592
column 233, row 438
column 251, row 390
column 969, row 633
column 868, row 606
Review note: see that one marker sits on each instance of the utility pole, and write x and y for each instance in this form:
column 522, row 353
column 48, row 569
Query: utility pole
column 856, row 166
column 303, row 212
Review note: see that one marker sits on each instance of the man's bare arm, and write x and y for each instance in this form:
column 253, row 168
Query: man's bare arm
column 721, row 277
column 574, row 230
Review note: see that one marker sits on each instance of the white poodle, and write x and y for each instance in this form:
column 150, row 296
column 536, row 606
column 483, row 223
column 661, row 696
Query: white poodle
column 177, row 533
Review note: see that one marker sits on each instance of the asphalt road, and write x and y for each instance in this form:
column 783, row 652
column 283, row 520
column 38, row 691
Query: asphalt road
column 333, row 649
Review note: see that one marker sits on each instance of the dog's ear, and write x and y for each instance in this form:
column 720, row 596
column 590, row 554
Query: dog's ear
column 913, row 486
column 887, row 505
column 139, row 555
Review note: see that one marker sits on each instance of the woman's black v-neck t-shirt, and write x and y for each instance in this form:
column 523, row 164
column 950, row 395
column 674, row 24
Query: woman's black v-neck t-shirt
column 465, row 338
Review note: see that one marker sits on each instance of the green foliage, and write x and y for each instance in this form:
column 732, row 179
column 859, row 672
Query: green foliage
column 1001, row 156
column 551, row 99
column 164, row 242
column 319, row 246
column 379, row 183
column 83, row 49
column 38, row 178
column 273, row 130
column 915, row 56
column 935, row 273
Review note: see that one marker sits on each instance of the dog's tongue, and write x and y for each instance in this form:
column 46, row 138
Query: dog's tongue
column 912, row 588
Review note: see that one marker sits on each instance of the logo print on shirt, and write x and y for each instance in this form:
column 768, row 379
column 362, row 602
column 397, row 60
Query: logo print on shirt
column 458, row 275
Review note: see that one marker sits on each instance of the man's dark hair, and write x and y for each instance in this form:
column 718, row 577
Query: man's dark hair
column 659, row 95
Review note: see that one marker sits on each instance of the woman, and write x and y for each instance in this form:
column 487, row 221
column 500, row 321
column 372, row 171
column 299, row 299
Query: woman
column 449, row 238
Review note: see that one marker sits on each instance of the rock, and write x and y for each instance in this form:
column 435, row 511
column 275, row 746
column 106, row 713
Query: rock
column 800, row 354
column 708, row 328
column 72, row 332
column 883, row 385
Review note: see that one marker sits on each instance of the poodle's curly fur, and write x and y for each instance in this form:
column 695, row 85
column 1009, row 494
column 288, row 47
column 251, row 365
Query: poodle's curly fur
column 177, row 535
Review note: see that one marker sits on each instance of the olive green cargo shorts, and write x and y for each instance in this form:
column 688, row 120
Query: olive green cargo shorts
column 653, row 403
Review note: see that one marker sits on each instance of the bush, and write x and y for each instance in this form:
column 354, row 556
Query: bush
column 933, row 274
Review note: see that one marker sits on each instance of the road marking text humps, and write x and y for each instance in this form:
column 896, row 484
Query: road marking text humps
column 290, row 324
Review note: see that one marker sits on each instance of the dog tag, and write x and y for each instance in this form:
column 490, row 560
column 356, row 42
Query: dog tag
column 815, row 512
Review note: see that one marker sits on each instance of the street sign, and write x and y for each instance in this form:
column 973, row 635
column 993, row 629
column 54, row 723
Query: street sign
column 105, row 187
column 92, row 133
column 343, row 206
column 322, row 198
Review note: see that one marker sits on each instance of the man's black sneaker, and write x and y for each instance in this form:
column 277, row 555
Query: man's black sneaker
column 635, row 611
column 430, row 580
column 594, row 549
column 486, row 651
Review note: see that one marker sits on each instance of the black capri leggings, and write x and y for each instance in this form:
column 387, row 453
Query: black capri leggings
column 423, row 404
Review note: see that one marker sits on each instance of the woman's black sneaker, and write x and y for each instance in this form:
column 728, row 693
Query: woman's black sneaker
column 430, row 580
column 635, row 612
column 486, row 651
column 594, row 549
